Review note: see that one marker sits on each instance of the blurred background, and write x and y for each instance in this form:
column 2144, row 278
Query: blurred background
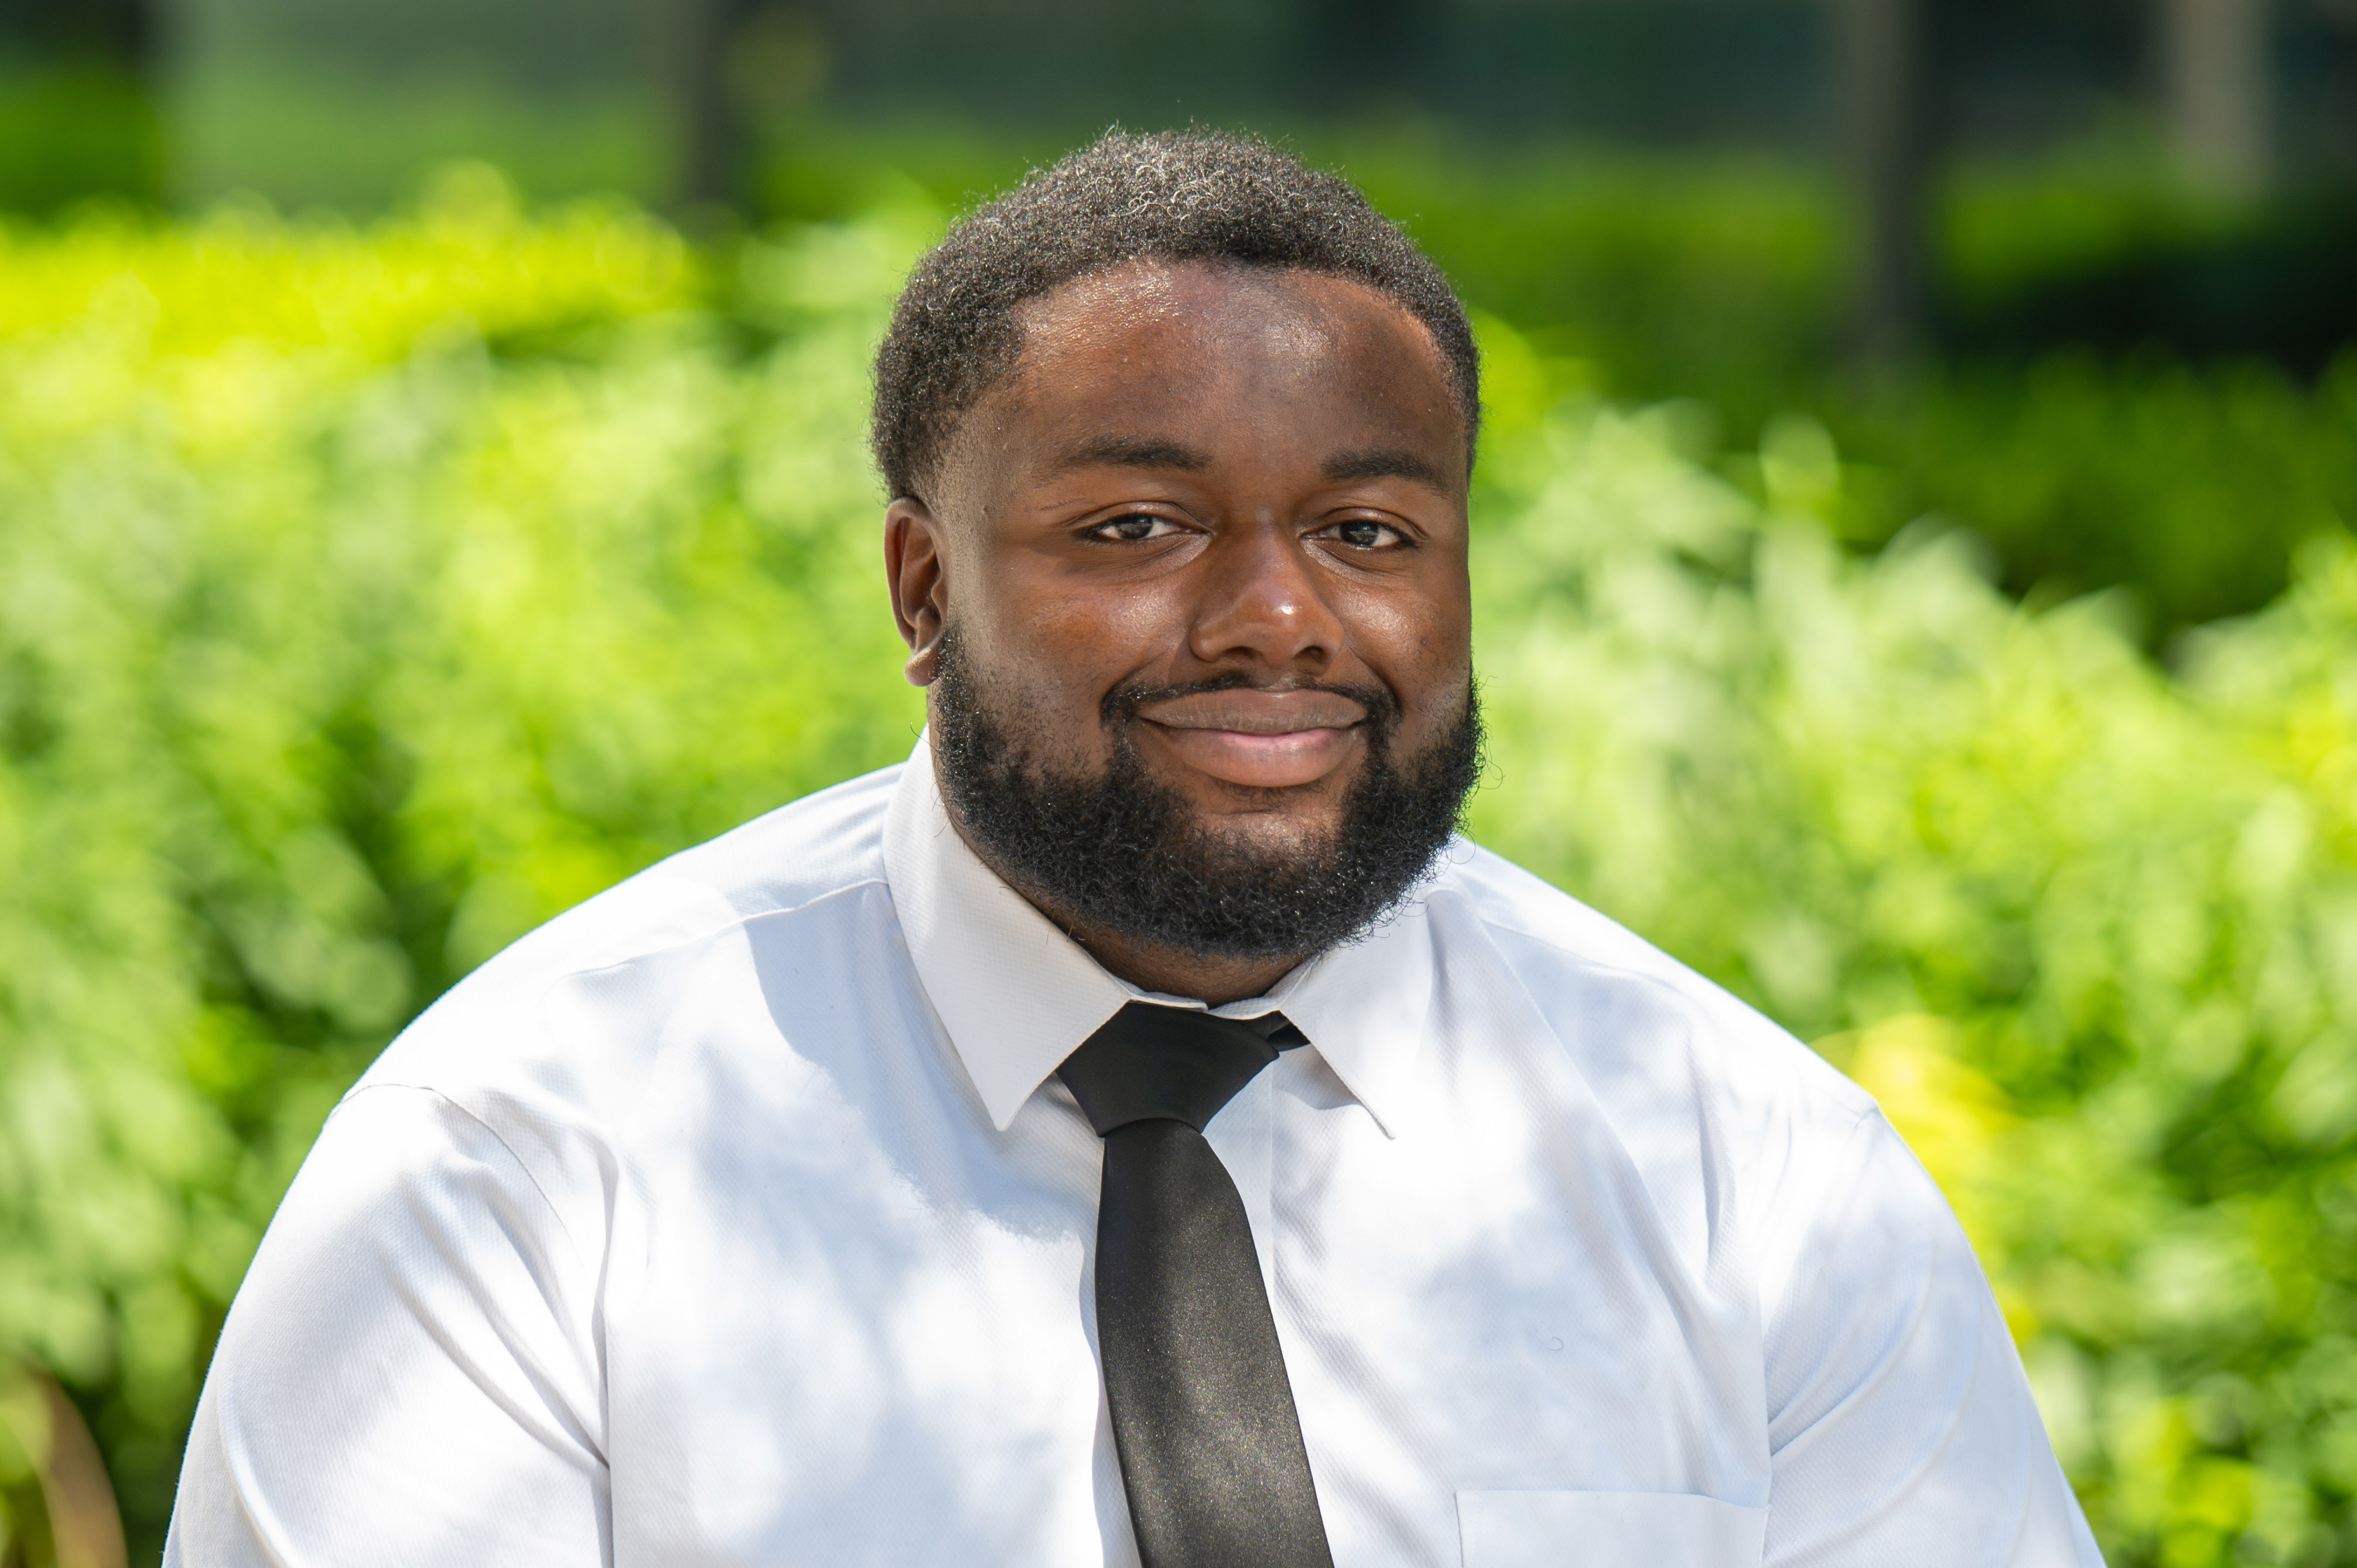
column 1734, row 200
column 1913, row 561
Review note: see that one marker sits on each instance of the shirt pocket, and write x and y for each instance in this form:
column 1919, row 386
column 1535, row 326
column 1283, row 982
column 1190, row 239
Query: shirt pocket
column 1608, row 1529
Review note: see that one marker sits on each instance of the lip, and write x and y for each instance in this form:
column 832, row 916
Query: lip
column 1262, row 739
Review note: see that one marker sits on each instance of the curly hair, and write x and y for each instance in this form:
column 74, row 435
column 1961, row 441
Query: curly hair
column 1173, row 196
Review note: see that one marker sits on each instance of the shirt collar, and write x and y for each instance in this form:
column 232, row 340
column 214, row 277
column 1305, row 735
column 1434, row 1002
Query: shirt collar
column 1017, row 995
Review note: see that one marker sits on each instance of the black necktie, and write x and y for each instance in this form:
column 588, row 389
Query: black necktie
column 1202, row 1414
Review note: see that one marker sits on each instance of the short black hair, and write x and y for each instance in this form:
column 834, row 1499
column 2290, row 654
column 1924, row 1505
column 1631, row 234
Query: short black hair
column 1190, row 195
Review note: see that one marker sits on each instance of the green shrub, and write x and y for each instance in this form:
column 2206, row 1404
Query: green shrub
column 368, row 596
column 2193, row 485
column 70, row 132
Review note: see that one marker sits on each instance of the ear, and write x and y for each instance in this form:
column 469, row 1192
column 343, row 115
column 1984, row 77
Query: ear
column 913, row 568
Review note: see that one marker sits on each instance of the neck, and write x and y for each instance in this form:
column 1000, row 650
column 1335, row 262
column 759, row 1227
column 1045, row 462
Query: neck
column 1148, row 966
column 1174, row 973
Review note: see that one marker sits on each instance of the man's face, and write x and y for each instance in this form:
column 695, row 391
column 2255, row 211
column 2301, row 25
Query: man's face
column 1211, row 531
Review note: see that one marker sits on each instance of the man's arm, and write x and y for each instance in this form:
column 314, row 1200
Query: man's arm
column 409, row 1374
column 1903, row 1427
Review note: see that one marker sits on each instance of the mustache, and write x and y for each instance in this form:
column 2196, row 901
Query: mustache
column 1122, row 703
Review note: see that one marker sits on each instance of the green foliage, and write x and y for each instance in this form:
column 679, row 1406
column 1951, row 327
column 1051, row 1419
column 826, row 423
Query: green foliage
column 75, row 131
column 1711, row 275
column 367, row 595
column 303, row 131
column 2008, row 226
column 2194, row 486
column 1645, row 274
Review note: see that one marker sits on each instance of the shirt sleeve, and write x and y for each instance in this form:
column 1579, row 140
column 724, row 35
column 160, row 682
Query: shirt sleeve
column 1901, row 1424
column 409, row 1373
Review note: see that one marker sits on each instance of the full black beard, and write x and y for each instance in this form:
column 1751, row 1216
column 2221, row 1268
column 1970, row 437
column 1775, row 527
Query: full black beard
column 1123, row 853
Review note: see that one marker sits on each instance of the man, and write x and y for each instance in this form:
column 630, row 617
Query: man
column 1135, row 1129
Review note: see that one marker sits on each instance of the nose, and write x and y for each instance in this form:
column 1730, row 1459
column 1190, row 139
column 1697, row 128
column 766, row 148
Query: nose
column 1260, row 604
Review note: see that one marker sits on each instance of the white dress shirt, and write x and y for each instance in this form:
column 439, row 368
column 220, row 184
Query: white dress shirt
column 737, row 1217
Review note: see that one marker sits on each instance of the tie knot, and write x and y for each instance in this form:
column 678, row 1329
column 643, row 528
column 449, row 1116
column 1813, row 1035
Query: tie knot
column 1150, row 1061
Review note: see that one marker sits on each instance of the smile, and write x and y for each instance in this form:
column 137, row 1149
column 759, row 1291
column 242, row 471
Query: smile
column 1259, row 739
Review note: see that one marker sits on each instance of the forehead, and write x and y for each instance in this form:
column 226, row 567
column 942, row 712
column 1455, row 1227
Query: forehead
column 1295, row 353
column 1209, row 303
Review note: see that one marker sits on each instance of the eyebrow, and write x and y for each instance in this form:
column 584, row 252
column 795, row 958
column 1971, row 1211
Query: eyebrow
column 1132, row 452
column 1388, row 464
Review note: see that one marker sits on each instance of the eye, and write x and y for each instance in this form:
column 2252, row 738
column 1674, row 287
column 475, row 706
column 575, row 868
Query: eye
column 1132, row 527
column 1365, row 533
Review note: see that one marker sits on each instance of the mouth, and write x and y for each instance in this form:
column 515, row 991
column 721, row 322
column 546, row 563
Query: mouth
column 1259, row 739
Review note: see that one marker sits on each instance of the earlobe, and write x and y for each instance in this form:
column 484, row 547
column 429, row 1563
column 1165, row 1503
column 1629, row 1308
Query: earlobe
column 913, row 570
column 923, row 663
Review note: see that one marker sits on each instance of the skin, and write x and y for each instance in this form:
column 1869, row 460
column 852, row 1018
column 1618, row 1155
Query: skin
column 1195, row 473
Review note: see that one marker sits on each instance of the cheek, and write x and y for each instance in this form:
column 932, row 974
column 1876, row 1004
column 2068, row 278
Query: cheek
column 1044, row 659
column 1419, row 642
column 1069, row 634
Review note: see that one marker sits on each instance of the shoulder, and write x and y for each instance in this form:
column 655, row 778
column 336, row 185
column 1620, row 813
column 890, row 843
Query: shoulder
column 1565, row 950
column 800, row 853
column 1674, row 1060
column 577, row 1010
column 492, row 1133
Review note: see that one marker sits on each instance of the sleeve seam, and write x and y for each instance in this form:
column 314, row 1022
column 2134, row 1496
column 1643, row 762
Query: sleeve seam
column 539, row 1190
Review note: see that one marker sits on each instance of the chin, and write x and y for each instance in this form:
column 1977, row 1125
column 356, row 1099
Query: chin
column 1274, row 833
